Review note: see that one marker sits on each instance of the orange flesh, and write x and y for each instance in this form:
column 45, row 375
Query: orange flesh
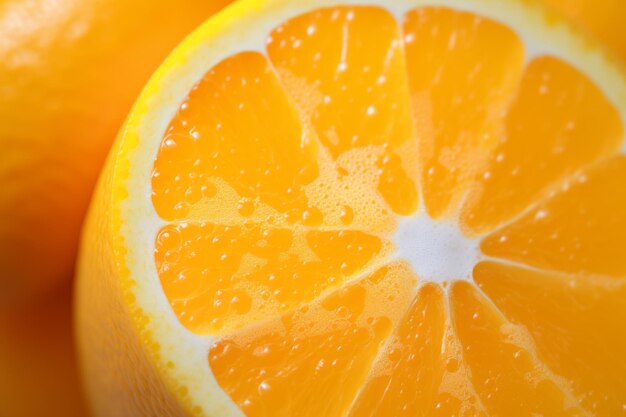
column 586, row 313
column 464, row 71
column 219, row 277
column 507, row 376
column 420, row 373
column 352, row 84
column 282, row 178
column 573, row 232
column 237, row 98
column 558, row 123
column 300, row 357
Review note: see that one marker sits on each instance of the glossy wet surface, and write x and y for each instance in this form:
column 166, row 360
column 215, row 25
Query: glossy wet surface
column 412, row 220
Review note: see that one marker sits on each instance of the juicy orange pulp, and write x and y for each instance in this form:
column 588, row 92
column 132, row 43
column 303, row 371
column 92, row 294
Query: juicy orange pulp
column 282, row 177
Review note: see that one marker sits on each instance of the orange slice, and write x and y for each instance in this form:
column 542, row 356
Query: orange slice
column 364, row 210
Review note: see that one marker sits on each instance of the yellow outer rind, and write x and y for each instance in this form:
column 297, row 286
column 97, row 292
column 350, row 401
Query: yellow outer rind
column 117, row 361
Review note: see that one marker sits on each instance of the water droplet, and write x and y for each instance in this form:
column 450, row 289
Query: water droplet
column 245, row 207
column 311, row 217
column 541, row 214
column 193, row 195
column 452, row 365
column 346, row 215
column 208, row 190
column 241, row 303
column 264, row 387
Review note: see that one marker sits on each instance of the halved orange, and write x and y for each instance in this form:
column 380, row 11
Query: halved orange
column 364, row 209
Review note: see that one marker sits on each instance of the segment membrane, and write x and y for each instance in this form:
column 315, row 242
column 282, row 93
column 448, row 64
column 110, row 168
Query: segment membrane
column 577, row 324
column 508, row 377
column 226, row 131
column 463, row 72
column 559, row 123
column 218, row 278
column 313, row 361
column 345, row 68
column 582, row 229
column 420, row 372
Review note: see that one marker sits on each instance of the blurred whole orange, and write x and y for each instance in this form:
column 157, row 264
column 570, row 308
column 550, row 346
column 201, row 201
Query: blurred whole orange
column 69, row 72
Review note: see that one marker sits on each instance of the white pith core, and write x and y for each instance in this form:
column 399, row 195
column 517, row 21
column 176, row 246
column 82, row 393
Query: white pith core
column 436, row 250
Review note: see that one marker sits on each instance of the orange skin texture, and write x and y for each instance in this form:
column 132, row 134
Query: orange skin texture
column 604, row 19
column 69, row 72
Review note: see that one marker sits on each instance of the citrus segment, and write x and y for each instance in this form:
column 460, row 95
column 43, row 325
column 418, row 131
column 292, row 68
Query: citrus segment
column 351, row 82
column 579, row 230
column 416, row 375
column 240, row 97
column 559, row 123
column 319, row 355
column 577, row 324
column 463, row 72
column 506, row 373
column 221, row 277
